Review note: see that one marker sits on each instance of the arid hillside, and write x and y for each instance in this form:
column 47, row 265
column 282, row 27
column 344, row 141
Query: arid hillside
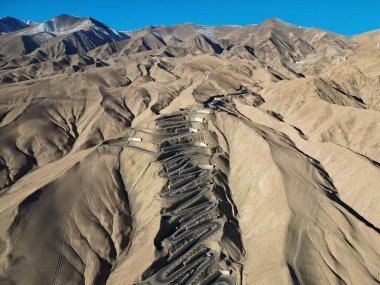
column 188, row 154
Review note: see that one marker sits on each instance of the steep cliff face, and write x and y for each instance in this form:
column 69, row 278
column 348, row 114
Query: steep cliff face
column 285, row 124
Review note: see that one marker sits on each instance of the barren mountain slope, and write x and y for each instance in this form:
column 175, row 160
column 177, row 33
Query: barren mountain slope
column 189, row 154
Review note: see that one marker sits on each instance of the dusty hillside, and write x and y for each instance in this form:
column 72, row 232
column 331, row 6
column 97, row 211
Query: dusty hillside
column 188, row 155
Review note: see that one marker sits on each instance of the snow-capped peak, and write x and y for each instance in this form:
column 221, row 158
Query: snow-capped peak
column 29, row 22
column 63, row 24
column 67, row 24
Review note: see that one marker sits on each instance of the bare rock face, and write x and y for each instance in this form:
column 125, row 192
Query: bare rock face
column 188, row 154
column 10, row 24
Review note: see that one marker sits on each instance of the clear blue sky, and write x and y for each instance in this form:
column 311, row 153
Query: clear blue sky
column 345, row 17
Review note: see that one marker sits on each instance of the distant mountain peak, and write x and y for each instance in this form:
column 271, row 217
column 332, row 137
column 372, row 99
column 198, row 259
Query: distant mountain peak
column 64, row 24
column 10, row 24
column 63, row 15
column 274, row 23
column 29, row 22
column 8, row 18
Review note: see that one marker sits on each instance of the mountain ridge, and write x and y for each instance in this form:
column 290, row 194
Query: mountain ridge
column 10, row 24
column 66, row 35
column 189, row 154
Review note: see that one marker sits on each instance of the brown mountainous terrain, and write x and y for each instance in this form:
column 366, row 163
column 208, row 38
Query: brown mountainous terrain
column 188, row 154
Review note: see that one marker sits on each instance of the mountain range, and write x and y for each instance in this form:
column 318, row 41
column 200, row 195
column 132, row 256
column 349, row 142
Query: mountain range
column 289, row 119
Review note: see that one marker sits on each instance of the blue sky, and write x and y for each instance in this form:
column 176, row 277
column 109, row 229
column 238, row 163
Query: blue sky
column 344, row 17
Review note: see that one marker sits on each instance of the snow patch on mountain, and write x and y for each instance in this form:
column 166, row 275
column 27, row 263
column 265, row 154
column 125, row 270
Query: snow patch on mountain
column 29, row 22
column 65, row 24
column 207, row 31
column 57, row 27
